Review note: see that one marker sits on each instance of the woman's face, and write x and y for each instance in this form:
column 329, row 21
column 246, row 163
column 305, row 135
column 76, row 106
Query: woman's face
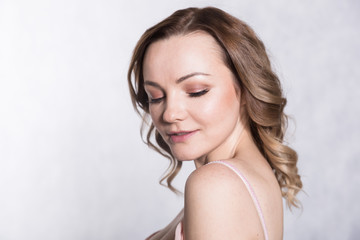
column 193, row 101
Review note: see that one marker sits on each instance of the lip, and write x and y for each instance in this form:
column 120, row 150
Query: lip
column 181, row 136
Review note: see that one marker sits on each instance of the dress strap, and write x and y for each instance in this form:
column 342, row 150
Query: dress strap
column 251, row 192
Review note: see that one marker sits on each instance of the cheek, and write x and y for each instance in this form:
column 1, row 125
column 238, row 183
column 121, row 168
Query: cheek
column 222, row 105
column 154, row 114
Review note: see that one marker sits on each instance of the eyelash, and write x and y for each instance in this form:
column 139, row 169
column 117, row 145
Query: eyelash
column 155, row 100
column 198, row 94
column 194, row 94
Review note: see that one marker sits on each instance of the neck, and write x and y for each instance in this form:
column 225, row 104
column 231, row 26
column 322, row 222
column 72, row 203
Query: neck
column 235, row 146
column 242, row 149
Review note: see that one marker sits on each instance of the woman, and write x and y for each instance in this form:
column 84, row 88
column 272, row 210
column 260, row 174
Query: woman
column 206, row 81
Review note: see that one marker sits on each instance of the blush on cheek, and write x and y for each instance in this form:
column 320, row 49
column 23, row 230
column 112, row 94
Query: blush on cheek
column 231, row 99
column 227, row 102
column 232, row 95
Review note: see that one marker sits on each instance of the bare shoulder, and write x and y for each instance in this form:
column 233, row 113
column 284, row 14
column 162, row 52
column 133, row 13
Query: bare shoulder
column 210, row 175
column 218, row 206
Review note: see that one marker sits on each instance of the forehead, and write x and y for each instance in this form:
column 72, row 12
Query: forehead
column 180, row 55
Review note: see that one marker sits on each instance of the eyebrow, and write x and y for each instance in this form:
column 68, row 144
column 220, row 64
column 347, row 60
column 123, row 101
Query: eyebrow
column 190, row 76
column 181, row 79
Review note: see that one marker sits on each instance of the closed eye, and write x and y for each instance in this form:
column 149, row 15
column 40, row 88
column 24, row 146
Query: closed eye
column 198, row 94
column 155, row 100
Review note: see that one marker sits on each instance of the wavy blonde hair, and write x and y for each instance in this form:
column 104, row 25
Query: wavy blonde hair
column 245, row 55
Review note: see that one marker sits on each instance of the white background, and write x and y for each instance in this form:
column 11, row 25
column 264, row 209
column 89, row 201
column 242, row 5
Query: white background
column 72, row 164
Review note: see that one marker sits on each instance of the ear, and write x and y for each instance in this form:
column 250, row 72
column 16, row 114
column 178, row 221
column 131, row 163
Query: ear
column 242, row 100
column 240, row 94
column 239, row 91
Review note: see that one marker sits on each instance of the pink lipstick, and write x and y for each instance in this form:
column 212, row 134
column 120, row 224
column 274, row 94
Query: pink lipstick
column 178, row 137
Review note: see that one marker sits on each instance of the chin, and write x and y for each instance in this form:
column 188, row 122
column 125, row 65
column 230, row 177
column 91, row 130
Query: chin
column 186, row 155
column 183, row 157
column 189, row 151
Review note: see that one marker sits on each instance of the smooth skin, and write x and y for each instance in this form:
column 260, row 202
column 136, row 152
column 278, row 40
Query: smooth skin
column 196, row 106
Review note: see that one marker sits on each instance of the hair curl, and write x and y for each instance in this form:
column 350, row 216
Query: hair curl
column 245, row 55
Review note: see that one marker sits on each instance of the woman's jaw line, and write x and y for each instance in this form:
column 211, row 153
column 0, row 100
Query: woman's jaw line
column 230, row 151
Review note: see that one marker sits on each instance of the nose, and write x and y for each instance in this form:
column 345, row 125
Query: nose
column 174, row 111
